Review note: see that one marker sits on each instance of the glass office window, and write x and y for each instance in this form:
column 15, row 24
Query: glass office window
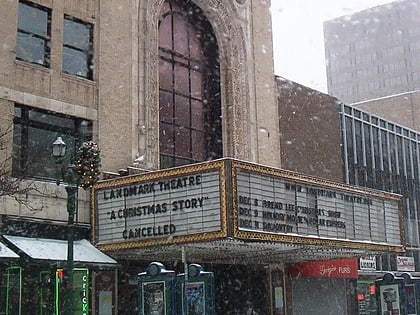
column 34, row 132
column 77, row 48
column 33, row 34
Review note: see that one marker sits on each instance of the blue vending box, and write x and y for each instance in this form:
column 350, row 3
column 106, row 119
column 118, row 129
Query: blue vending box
column 195, row 292
column 156, row 289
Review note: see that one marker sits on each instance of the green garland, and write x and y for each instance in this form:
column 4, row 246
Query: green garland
column 88, row 163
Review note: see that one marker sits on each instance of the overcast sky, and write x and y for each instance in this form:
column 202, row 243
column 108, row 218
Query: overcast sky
column 298, row 38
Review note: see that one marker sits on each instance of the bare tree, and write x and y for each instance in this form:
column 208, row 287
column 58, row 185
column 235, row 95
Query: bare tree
column 10, row 186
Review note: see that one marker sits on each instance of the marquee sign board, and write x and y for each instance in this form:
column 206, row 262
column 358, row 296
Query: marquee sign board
column 230, row 198
column 277, row 205
column 164, row 207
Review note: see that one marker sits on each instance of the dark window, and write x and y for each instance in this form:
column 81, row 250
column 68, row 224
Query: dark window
column 77, row 48
column 369, row 156
column 393, row 153
column 33, row 34
column 408, row 157
column 386, row 156
column 350, row 150
column 33, row 134
column 189, row 86
column 377, row 154
column 382, row 123
column 359, row 154
column 416, row 164
column 347, row 110
column 365, row 117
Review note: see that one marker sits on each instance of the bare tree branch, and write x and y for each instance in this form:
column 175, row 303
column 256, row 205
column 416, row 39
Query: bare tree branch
column 13, row 187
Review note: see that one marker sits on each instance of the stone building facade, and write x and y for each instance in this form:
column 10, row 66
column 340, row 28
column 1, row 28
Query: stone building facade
column 159, row 85
column 89, row 70
column 121, row 98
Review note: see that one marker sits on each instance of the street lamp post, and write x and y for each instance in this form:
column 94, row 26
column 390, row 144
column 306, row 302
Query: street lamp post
column 84, row 173
column 59, row 151
column 71, row 209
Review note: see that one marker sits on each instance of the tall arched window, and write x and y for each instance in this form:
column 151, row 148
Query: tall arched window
column 189, row 86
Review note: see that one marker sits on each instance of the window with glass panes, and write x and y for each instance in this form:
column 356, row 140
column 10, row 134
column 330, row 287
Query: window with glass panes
column 189, row 86
column 33, row 34
column 34, row 132
column 77, row 48
column 392, row 160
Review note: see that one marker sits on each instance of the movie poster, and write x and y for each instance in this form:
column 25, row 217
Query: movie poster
column 390, row 299
column 195, row 298
column 154, row 298
column 410, row 295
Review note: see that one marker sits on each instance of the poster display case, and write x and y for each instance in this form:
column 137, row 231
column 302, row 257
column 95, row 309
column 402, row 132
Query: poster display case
column 195, row 292
column 391, row 299
column 411, row 293
column 156, row 289
column 398, row 294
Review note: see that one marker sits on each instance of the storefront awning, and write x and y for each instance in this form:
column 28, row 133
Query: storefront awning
column 56, row 250
column 7, row 253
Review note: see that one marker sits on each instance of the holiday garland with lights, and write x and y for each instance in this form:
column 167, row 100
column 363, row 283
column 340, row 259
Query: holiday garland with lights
column 88, row 163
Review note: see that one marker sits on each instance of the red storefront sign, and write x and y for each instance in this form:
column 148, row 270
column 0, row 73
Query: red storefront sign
column 340, row 268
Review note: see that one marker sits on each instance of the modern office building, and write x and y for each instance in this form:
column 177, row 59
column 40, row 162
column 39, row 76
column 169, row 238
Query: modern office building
column 183, row 104
column 374, row 53
column 383, row 155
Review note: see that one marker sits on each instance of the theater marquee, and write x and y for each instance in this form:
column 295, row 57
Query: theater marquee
column 275, row 205
column 245, row 201
column 177, row 205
